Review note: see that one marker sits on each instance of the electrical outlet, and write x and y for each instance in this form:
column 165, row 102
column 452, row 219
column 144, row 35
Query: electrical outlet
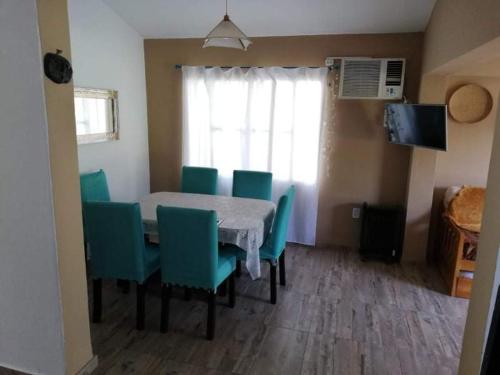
column 356, row 212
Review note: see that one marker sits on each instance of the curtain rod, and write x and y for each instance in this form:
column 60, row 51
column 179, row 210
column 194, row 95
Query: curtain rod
column 179, row 66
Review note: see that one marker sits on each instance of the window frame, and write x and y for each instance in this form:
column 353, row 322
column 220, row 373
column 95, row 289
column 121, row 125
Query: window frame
column 108, row 94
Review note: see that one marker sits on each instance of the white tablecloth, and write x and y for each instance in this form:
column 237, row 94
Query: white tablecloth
column 242, row 222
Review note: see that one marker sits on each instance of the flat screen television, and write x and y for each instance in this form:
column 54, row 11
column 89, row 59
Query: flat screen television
column 422, row 125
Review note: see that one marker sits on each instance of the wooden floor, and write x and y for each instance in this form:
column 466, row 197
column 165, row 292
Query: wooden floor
column 336, row 315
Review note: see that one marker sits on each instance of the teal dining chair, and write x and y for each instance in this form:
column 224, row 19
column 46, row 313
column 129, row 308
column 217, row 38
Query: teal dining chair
column 199, row 180
column 94, row 187
column 189, row 257
column 119, row 251
column 252, row 184
column 273, row 249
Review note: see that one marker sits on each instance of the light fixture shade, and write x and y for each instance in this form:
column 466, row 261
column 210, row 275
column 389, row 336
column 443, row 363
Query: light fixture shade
column 227, row 34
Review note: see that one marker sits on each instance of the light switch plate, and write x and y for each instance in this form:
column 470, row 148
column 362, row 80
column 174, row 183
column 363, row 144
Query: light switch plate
column 356, row 212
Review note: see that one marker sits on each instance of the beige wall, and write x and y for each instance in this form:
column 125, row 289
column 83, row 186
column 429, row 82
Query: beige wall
column 469, row 150
column 421, row 179
column 54, row 34
column 462, row 34
column 358, row 138
column 418, row 204
column 468, row 157
column 457, row 27
column 487, row 275
column 465, row 163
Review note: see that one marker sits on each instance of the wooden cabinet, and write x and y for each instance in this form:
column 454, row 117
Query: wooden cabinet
column 453, row 264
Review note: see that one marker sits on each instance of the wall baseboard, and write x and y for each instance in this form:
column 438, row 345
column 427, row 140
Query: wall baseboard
column 89, row 367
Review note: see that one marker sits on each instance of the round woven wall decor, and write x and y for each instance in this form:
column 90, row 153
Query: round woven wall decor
column 470, row 103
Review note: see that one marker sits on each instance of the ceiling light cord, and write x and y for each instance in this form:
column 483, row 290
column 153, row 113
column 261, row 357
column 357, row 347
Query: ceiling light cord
column 226, row 17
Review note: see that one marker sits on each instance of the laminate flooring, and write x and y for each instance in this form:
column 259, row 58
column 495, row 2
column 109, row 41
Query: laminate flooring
column 336, row 315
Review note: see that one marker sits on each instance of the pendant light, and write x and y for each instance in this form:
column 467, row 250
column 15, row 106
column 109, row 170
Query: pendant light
column 227, row 34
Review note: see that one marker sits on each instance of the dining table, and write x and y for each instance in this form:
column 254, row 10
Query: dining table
column 242, row 222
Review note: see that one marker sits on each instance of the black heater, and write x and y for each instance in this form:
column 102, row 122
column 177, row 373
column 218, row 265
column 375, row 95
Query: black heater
column 382, row 229
column 491, row 358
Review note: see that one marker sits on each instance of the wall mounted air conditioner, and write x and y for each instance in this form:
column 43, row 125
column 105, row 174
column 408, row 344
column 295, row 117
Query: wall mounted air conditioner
column 369, row 78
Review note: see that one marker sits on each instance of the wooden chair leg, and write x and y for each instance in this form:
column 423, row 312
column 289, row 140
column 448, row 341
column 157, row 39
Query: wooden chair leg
column 141, row 306
column 232, row 291
column 97, row 300
column 166, row 291
column 282, row 269
column 273, row 283
column 124, row 285
column 222, row 289
column 86, row 250
column 187, row 294
column 211, row 315
column 238, row 268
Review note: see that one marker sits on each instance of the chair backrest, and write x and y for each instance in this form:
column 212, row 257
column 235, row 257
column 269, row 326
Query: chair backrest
column 290, row 192
column 188, row 246
column 279, row 229
column 252, row 184
column 116, row 238
column 199, row 180
column 94, row 187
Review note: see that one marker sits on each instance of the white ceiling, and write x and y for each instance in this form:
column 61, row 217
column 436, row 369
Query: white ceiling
column 195, row 18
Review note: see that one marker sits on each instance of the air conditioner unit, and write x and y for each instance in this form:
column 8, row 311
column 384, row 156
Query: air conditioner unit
column 369, row 78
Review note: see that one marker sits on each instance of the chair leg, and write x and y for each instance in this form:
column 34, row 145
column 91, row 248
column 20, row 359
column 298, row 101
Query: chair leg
column 124, row 285
column 273, row 283
column 86, row 251
column 222, row 289
column 141, row 306
column 238, row 268
column 187, row 294
column 211, row 315
column 97, row 300
column 166, row 291
column 282, row 268
column 232, row 291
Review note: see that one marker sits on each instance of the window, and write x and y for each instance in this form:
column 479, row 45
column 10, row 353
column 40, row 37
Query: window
column 96, row 114
column 265, row 119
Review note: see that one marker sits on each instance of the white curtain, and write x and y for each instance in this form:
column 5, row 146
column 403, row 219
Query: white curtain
column 264, row 119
